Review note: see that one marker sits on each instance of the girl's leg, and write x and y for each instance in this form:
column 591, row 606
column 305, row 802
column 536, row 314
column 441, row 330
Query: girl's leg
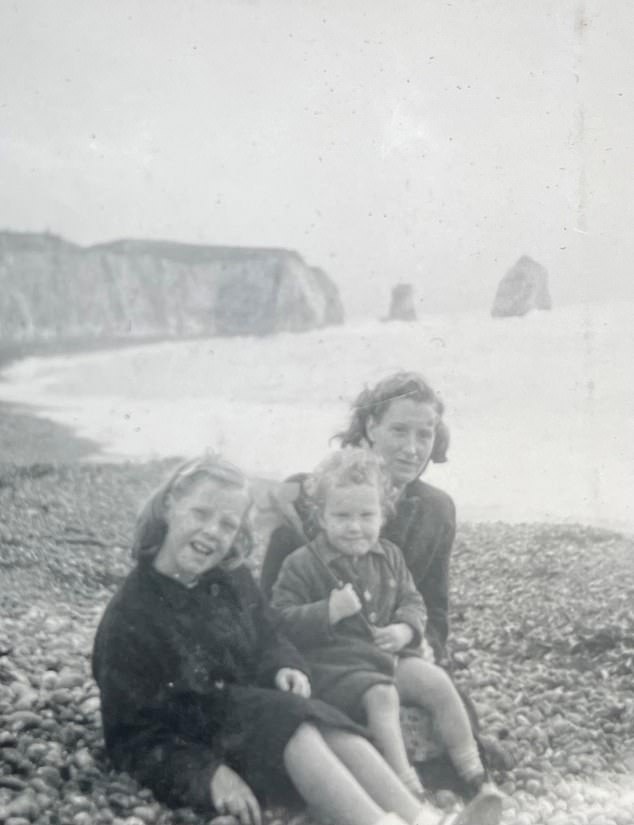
column 382, row 707
column 428, row 686
column 373, row 773
column 325, row 783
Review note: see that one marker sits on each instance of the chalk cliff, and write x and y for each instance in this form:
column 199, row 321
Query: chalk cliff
column 53, row 289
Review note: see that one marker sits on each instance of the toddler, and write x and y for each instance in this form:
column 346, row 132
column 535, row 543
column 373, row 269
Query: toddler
column 348, row 601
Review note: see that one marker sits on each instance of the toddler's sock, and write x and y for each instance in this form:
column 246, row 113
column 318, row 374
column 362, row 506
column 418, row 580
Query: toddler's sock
column 467, row 762
column 410, row 779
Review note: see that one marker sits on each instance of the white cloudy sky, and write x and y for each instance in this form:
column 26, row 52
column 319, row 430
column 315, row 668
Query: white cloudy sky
column 385, row 140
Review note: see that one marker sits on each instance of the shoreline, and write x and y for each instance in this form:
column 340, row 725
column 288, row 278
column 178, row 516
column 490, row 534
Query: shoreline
column 113, row 420
column 40, row 439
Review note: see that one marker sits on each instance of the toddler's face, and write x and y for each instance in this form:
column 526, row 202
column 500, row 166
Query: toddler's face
column 352, row 518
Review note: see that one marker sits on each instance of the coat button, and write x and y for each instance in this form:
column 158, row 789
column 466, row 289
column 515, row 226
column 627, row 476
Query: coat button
column 372, row 617
column 367, row 595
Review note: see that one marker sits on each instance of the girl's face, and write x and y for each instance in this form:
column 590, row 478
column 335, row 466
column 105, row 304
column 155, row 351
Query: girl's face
column 352, row 518
column 202, row 525
column 404, row 438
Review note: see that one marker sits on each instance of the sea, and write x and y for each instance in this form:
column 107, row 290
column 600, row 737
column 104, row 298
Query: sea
column 540, row 408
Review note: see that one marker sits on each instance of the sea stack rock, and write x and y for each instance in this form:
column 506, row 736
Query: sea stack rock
column 402, row 306
column 523, row 288
column 52, row 289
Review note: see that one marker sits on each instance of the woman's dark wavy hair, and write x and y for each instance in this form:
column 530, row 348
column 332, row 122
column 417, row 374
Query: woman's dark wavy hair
column 373, row 403
column 151, row 524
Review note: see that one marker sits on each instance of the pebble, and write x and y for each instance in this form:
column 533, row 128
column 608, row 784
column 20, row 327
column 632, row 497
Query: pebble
column 146, row 813
column 22, row 720
column 90, row 706
column 70, row 679
column 83, row 818
column 61, row 696
column 50, row 775
column 14, row 783
column 79, row 802
column 49, row 680
column 24, row 805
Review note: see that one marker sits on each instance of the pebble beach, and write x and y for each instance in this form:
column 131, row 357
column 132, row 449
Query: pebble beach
column 542, row 639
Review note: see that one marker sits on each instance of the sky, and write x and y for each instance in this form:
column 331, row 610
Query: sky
column 385, row 140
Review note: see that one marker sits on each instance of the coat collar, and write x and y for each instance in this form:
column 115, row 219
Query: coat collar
column 176, row 593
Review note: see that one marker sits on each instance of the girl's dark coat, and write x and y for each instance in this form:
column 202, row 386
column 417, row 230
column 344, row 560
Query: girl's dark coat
column 187, row 682
column 423, row 527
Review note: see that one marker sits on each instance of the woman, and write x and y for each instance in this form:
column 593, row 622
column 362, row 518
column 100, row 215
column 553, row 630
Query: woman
column 203, row 702
column 401, row 419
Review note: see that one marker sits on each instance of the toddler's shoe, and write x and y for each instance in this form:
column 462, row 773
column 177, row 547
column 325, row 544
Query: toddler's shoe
column 484, row 809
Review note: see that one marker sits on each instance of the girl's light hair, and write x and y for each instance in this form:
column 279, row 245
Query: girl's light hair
column 373, row 403
column 349, row 467
column 151, row 524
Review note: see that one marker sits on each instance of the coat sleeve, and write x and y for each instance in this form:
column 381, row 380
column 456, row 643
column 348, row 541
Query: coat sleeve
column 283, row 541
column 434, row 585
column 409, row 607
column 159, row 730
column 301, row 602
column 276, row 651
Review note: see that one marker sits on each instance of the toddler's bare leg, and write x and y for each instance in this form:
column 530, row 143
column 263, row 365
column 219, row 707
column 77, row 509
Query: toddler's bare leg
column 428, row 686
column 382, row 707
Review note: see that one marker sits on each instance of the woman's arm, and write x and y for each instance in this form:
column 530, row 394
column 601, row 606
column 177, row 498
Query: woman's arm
column 434, row 588
column 426, row 525
column 409, row 606
column 283, row 541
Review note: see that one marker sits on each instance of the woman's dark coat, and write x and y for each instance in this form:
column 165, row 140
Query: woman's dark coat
column 423, row 527
column 187, row 683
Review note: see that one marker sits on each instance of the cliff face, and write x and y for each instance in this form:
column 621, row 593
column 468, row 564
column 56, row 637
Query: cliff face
column 50, row 288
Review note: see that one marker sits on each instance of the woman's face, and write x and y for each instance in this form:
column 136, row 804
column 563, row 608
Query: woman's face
column 404, row 438
column 202, row 525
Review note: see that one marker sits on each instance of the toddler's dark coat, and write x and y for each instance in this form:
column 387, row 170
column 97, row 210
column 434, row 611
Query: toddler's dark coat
column 423, row 526
column 187, row 682
column 344, row 659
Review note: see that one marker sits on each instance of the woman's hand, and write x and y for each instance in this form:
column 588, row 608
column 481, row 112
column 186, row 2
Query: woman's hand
column 231, row 795
column 292, row 681
column 393, row 637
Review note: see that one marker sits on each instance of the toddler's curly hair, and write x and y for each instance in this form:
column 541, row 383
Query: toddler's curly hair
column 348, row 467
